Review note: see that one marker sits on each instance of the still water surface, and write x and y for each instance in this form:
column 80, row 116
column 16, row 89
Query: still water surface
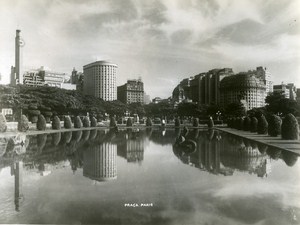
column 141, row 177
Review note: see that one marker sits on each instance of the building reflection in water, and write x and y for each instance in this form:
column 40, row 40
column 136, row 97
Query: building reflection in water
column 132, row 145
column 222, row 153
column 100, row 162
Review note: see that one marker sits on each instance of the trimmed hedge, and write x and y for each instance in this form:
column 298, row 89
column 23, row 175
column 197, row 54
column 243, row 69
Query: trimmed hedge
column 240, row 123
column 254, row 123
column 3, row 126
column 274, row 128
column 86, row 122
column 210, row 123
column 23, row 124
column 129, row 122
column 41, row 123
column 56, row 123
column 247, row 123
column 112, row 122
column 290, row 128
column 67, row 122
column 195, row 122
column 93, row 122
column 149, row 122
column 177, row 122
column 77, row 122
column 262, row 125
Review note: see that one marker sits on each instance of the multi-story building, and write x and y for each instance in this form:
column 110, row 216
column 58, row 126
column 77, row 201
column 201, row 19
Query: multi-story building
column 156, row 100
column 245, row 88
column 100, row 80
column 298, row 95
column 131, row 92
column 42, row 77
column 293, row 91
column 283, row 89
column 266, row 77
column 202, row 88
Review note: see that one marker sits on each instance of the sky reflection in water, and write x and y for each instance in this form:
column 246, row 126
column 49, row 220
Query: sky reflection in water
column 89, row 176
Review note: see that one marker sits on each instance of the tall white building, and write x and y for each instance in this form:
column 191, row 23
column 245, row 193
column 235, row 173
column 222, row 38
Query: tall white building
column 100, row 80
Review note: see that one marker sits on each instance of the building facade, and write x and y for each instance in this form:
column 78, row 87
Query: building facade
column 100, row 80
column 43, row 77
column 203, row 88
column 245, row 88
column 131, row 92
column 283, row 89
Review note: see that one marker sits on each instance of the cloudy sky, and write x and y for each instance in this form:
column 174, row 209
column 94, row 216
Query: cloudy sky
column 162, row 41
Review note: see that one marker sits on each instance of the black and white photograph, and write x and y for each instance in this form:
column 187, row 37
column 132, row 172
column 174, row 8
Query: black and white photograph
column 133, row 112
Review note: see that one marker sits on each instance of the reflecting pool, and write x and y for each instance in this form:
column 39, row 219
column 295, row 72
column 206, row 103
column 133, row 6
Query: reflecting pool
column 147, row 177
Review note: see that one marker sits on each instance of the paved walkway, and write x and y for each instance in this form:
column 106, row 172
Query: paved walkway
column 290, row 145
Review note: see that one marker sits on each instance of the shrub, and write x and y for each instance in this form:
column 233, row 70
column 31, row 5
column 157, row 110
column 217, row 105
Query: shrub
column 67, row 122
column 289, row 128
column 129, row 122
column 229, row 122
column 195, row 122
column 112, row 122
column 148, row 122
column 210, row 123
column 274, row 128
column 240, row 123
column 86, row 122
column 56, row 123
column 23, row 124
column 33, row 119
column 77, row 122
column 253, row 124
column 262, row 125
column 247, row 124
column 93, row 122
column 41, row 123
column 177, row 122
column 3, row 126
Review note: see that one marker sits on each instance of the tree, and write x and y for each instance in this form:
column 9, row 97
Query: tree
column 277, row 103
column 290, row 128
column 112, row 122
column 3, row 126
column 262, row 125
column 254, row 122
column 247, row 124
column 149, row 122
column 195, row 122
column 23, row 124
column 129, row 122
column 93, row 122
column 235, row 109
column 41, row 123
column 187, row 109
column 177, row 122
column 274, row 128
column 86, row 122
column 56, row 123
column 77, row 122
column 67, row 122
